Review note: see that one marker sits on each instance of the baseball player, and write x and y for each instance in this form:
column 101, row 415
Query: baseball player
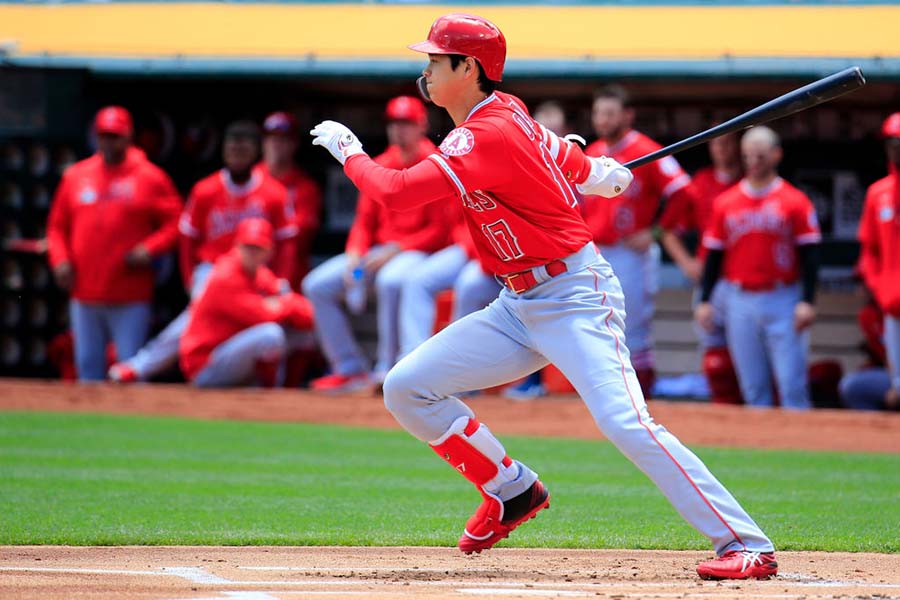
column 621, row 226
column 762, row 238
column 879, row 236
column 690, row 213
column 236, row 330
column 216, row 205
column 304, row 199
column 388, row 246
column 562, row 302
column 112, row 214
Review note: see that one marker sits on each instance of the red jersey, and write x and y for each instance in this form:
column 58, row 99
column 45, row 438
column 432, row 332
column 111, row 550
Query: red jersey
column 100, row 213
column 426, row 228
column 231, row 302
column 302, row 206
column 216, row 205
column 691, row 212
column 611, row 219
column 505, row 170
column 759, row 231
column 879, row 236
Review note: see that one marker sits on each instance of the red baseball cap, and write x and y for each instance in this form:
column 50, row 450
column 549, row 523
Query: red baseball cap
column 891, row 126
column 115, row 120
column 281, row 123
column 406, row 108
column 255, row 232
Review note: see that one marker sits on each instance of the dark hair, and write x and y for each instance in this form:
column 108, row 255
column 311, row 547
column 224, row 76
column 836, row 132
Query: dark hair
column 243, row 129
column 484, row 84
column 616, row 92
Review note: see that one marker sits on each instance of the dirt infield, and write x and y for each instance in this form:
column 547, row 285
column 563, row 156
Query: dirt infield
column 563, row 416
column 282, row 573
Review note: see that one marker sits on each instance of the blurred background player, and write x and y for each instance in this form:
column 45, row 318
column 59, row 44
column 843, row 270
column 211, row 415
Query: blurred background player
column 762, row 238
column 304, row 199
column 384, row 247
column 112, row 214
column 879, row 236
column 216, row 205
column 236, row 330
column 621, row 226
column 689, row 214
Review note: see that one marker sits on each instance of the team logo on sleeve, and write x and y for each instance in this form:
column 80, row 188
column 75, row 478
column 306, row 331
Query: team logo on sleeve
column 886, row 214
column 458, row 142
column 87, row 195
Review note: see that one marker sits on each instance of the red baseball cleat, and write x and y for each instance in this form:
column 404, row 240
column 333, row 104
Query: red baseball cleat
column 122, row 373
column 739, row 564
column 494, row 520
column 340, row 383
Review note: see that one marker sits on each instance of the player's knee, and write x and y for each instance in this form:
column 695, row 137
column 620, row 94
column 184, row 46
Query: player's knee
column 272, row 338
column 398, row 389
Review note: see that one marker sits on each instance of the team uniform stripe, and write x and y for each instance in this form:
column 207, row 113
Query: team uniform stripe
column 185, row 227
column 808, row 238
column 288, row 231
column 450, row 173
column 713, row 243
column 676, row 184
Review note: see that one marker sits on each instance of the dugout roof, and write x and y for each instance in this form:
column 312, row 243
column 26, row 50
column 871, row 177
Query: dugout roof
column 360, row 40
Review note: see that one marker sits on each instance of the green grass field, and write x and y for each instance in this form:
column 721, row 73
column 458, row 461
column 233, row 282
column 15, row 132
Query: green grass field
column 89, row 479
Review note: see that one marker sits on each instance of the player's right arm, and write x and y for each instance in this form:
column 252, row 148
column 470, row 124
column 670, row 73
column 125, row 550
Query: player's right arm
column 190, row 229
column 58, row 236
column 869, row 250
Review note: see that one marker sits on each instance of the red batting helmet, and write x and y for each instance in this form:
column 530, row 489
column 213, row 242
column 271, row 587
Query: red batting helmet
column 115, row 120
column 406, row 108
column 891, row 126
column 459, row 33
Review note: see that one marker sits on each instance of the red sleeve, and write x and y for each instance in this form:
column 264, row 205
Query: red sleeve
column 679, row 210
column 307, row 204
column 439, row 222
column 187, row 258
column 569, row 156
column 166, row 210
column 869, row 249
column 402, row 189
column 365, row 225
column 58, row 225
column 669, row 176
column 243, row 306
column 804, row 222
column 191, row 221
column 269, row 283
column 285, row 257
column 714, row 236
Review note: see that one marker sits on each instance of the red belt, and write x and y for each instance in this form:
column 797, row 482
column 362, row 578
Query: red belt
column 766, row 286
column 525, row 280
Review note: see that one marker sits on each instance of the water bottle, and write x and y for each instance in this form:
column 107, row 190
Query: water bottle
column 356, row 292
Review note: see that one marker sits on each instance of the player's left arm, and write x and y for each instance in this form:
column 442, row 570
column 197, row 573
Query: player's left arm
column 807, row 237
column 285, row 236
column 166, row 209
column 591, row 176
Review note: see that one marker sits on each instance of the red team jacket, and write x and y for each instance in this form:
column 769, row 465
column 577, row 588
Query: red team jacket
column 759, row 232
column 100, row 213
column 505, row 171
column 231, row 302
column 879, row 235
column 303, row 205
column 611, row 219
column 216, row 206
column 692, row 212
column 425, row 227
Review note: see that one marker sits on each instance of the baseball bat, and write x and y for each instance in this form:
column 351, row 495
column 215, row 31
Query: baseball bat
column 815, row 93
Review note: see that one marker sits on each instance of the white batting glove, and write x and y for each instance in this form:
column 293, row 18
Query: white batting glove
column 607, row 178
column 337, row 139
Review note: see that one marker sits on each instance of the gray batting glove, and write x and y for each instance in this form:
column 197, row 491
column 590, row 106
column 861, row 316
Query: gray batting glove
column 607, row 178
column 337, row 139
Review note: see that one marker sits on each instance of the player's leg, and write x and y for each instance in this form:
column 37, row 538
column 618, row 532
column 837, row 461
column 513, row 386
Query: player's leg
column 128, row 325
column 417, row 298
column 577, row 323
column 636, row 271
column 324, row 287
column 787, row 348
column 484, row 349
column 865, row 389
column 236, row 360
column 473, row 290
column 892, row 346
column 717, row 364
column 90, row 337
column 389, row 282
column 746, row 344
column 161, row 353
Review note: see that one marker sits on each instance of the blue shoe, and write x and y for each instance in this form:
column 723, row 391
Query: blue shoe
column 525, row 391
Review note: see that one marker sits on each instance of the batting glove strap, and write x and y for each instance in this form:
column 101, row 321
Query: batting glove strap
column 607, row 178
column 337, row 139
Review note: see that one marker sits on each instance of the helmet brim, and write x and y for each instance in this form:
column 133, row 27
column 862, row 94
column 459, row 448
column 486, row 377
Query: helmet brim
column 429, row 47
